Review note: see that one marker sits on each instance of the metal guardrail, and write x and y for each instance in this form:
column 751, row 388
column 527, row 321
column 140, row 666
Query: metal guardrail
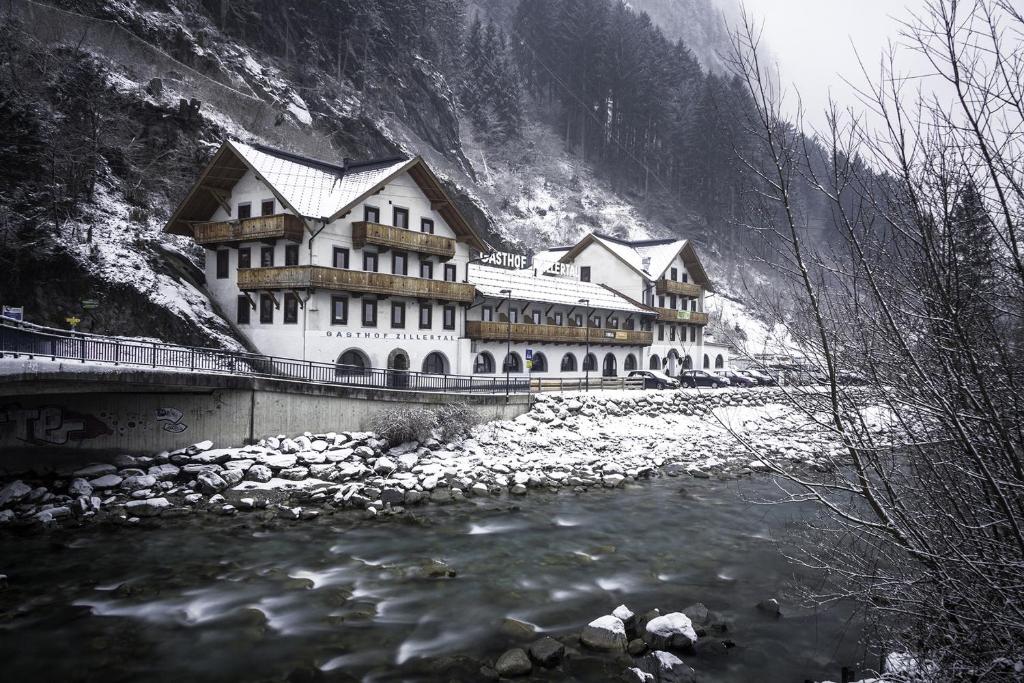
column 17, row 338
column 540, row 386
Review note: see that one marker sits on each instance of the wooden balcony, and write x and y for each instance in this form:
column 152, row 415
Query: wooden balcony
column 669, row 315
column 258, row 228
column 557, row 334
column 390, row 237
column 357, row 281
column 664, row 286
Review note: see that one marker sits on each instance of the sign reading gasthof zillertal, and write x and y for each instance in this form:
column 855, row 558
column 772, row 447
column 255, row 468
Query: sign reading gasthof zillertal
column 502, row 259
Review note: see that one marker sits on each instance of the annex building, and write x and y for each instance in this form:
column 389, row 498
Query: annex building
column 370, row 265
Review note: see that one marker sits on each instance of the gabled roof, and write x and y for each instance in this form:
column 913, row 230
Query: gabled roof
column 526, row 286
column 309, row 187
column 649, row 258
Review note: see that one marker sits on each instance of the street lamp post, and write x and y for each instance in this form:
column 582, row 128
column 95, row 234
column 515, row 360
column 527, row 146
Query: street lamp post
column 586, row 358
column 508, row 339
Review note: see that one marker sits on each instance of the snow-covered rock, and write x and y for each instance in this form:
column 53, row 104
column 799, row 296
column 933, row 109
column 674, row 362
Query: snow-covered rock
column 670, row 631
column 606, row 633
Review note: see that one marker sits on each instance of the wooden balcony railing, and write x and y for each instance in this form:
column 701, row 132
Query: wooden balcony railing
column 664, row 286
column 526, row 332
column 279, row 226
column 669, row 315
column 390, row 237
column 383, row 284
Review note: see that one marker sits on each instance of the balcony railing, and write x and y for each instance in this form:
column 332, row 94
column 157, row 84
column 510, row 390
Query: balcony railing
column 383, row 284
column 670, row 315
column 279, row 226
column 527, row 332
column 390, row 237
column 664, row 286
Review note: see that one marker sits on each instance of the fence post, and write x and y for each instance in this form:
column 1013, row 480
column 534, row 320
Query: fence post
column 81, row 347
column 154, row 354
column 191, row 359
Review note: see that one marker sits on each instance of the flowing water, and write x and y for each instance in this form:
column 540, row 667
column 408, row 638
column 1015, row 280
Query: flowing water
column 338, row 598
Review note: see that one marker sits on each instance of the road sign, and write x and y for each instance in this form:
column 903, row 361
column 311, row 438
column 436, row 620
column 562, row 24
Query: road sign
column 529, row 354
column 72, row 321
column 14, row 312
column 89, row 304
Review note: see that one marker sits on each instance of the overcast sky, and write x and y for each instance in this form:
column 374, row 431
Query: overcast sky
column 816, row 42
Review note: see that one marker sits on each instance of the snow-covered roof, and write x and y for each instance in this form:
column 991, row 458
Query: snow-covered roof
column 317, row 189
column 526, row 286
column 660, row 255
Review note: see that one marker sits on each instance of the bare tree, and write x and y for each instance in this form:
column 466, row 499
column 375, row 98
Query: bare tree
column 925, row 302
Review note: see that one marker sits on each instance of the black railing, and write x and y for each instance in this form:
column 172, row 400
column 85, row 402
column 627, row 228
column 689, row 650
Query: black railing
column 18, row 338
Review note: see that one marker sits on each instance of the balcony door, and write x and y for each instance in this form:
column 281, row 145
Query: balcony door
column 610, row 366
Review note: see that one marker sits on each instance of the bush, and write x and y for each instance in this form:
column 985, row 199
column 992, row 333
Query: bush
column 455, row 419
column 398, row 425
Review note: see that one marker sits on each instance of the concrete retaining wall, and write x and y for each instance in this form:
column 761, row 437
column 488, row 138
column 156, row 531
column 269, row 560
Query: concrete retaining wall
column 53, row 410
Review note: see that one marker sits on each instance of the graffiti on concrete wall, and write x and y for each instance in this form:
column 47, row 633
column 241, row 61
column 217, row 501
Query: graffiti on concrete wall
column 50, row 424
column 171, row 419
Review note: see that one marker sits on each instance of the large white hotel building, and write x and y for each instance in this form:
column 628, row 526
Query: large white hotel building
column 370, row 264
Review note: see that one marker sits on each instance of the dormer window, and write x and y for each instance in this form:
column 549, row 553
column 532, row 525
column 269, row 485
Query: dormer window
column 244, row 211
column 401, row 218
column 267, row 207
column 371, row 214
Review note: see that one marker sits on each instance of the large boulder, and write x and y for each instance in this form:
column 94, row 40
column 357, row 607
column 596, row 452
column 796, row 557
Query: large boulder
column 211, row 483
column 547, row 652
column 14, row 493
column 515, row 662
column 259, row 473
column 149, row 507
column 606, row 633
column 665, row 667
column 672, row 631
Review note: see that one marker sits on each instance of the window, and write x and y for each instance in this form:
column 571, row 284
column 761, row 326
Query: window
column 291, row 309
column 590, row 363
column 559, row 318
column 484, row 364
column 449, row 272
column 535, row 317
column 693, row 333
column 427, row 226
column 579, row 320
column 630, row 363
column 707, row 362
column 399, row 263
column 266, row 309
column 487, row 314
column 340, row 257
column 661, row 302
column 370, row 263
column 243, row 310
column 539, row 363
column 610, row 366
column 661, row 333
column 427, row 270
column 512, row 363
column 688, row 363
column 223, row 256
column 291, row 254
column 435, row 364
column 630, row 324
column 693, row 305
column 448, row 317
column 267, row 207
column 339, row 310
column 719, row 362
column 244, row 258
column 585, row 274
column 352, row 362
column 685, row 277
column 397, row 314
column 675, row 274
column 613, row 323
column 655, row 363
column 671, row 332
column 568, row 363
column 426, row 315
column 672, row 303
column 513, row 315
column 369, row 312
column 401, row 218
column 595, row 321
column 266, row 257
column 244, row 210
column 371, row 214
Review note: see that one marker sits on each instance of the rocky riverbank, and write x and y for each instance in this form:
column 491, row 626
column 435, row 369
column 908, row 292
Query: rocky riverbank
column 574, row 442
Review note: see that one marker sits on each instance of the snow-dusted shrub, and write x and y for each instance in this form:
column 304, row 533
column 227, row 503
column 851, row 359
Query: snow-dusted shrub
column 455, row 419
column 398, row 425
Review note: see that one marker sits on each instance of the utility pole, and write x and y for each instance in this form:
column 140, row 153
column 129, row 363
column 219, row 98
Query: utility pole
column 586, row 358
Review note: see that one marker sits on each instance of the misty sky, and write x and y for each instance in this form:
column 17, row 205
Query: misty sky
column 816, row 41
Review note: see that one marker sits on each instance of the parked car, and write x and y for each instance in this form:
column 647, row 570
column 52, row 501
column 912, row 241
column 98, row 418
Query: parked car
column 655, row 379
column 699, row 378
column 736, row 379
column 762, row 378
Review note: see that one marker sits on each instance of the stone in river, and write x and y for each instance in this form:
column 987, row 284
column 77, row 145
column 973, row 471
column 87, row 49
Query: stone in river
column 394, row 496
column 515, row 662
column 211, row 482
column 79, row 487
column 260, row 473
column 770, row 606
column 547, row 652
column 636, row 647
column 14, row 493
column 413, row 497
column 519, row 630
column 518, row 490
column 149, row 507
column 625, row 615
column 672, row 631
column 611, row 481
column 698, row 613
column 480, row 489
column 635, row 675
column 95, row 470
column 384, row 465
column 605, row 633
column 138, row 482
column 666, row 668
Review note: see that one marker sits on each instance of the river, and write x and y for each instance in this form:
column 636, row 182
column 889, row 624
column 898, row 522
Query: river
column 340, row 598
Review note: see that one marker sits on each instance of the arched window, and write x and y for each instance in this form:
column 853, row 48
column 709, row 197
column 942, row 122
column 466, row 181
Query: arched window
column 655, row 363
column 568, row 363
column 513, row 363
column 610, row 368
column 688, row 363
column 435, row 364
column 590, row 363
column 352, row 362
column 540, row 363
column 630, row 363
column 719, row 362
column 484, row 364
column 707, row 362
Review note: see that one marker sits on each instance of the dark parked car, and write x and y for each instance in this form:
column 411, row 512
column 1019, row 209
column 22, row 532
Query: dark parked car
column 699, row 378
column 736, row 379
column 762, row 378
column 653, row 379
